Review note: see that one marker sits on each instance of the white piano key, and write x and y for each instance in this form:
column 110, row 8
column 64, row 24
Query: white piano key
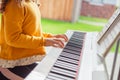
column 64, row 72
column 70, row 55
column 59, row 76
column 72, row 66
column 73, row 48
column 50, row 77
column 69, row 60
column 64, row 67
column 71, row 52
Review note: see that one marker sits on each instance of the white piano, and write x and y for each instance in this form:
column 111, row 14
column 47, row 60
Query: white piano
column 83, row 56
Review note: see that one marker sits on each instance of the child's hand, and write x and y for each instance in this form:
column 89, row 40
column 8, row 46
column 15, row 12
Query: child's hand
column 56, row 41
column 62, row 36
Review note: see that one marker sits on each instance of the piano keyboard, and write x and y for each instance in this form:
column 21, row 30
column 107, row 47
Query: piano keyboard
column 67, row 64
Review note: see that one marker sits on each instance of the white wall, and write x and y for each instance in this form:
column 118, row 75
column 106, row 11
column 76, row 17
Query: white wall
column 113, row 2
column 110, row 2
column 118, row 3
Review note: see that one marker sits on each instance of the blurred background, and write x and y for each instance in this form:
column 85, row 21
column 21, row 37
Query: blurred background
column 85, row 15
column 58, row 16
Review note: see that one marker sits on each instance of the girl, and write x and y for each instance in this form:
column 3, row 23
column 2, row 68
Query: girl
column 22, row 40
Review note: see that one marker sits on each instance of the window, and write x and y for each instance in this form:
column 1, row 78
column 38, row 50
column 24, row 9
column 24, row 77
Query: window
column 97, row 2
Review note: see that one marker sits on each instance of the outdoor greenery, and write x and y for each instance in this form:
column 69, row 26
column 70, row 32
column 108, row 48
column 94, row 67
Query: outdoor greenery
column 57, row 27
column 93, row 19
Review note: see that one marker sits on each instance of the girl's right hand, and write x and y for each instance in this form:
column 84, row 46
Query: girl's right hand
column 55, row 42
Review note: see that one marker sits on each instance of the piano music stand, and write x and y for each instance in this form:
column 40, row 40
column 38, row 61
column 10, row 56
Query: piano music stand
column 119, row 74
column 114, row 62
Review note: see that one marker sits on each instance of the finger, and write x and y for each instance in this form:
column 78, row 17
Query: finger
column 58, row 43
column 57, row 46
column 63, row 36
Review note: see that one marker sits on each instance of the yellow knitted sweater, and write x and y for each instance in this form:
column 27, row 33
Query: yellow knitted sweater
column 21, row 33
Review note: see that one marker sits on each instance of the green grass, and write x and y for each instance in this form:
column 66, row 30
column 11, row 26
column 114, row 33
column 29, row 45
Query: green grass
column 93, row 19
column 58, row 27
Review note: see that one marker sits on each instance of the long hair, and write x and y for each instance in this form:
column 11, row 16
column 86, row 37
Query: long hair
column 3, row 3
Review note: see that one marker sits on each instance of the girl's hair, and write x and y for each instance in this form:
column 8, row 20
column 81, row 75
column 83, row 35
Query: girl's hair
column 20, row 2
column 2, row 5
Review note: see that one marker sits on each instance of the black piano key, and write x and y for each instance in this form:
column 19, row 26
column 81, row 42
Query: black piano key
column 71, row 52
column 79, row 34
column 58, row 76
column 70, row 55
column 65, row 64
column 74, row 45
column 62, row 74
column 66, row 67
column 61, row 67
column 62, row 71
column 67, row 59
column 73, row 48
column 78, row 38
column 76, row 41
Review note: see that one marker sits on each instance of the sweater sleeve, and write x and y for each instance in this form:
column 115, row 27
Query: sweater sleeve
column 47, row 35
column 14, row 36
